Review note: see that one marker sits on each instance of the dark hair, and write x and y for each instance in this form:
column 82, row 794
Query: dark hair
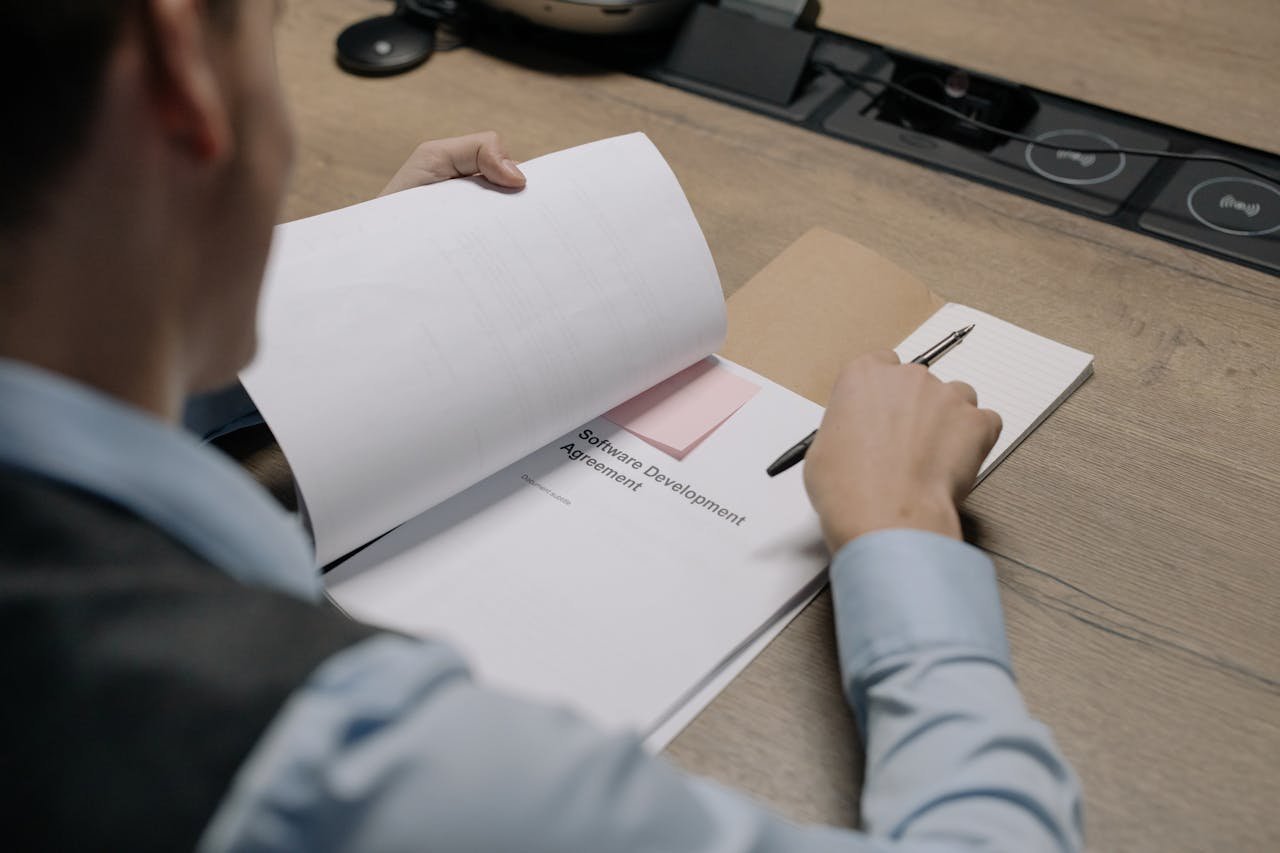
column 53, row 61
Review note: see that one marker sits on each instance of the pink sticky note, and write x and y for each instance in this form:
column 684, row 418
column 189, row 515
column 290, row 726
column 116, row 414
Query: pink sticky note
column 678, row 413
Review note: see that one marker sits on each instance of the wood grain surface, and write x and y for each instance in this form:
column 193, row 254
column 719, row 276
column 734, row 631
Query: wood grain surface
column 1196, row 64
column 1136, row 533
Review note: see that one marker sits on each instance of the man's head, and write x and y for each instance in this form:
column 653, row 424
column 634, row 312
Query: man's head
column 144, row 159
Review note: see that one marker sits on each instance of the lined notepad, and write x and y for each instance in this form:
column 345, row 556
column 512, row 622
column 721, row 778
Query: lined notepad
column 1021, row 375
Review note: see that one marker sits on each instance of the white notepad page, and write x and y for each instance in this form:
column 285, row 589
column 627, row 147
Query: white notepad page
column 1021, row 375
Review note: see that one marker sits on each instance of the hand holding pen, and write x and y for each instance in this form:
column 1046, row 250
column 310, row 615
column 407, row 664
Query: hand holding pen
column 796, row 452
column 898, row 449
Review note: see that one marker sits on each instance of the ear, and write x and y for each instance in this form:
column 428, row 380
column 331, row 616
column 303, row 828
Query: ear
column 188, row 92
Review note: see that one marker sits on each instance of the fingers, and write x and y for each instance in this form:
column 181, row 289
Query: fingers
column 491, row 160
column 994, row 426
column 979, row 434
column 476, row 153
column 458, row 157
column 985, row 424
column 965, row 390
column 884, row 356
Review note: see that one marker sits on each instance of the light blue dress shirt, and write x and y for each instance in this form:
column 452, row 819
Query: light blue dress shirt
column 390, row 745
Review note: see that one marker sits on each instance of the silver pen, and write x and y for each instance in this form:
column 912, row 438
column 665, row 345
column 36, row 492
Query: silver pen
column 797, row 451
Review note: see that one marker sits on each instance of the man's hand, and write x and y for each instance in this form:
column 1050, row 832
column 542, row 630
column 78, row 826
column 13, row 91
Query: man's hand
column 459, row 157
column 897, row 448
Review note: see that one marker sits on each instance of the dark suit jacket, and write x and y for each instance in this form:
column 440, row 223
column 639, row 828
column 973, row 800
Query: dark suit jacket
column 137, row 677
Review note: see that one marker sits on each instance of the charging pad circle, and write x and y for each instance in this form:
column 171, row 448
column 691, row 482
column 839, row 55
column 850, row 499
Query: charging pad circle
column 1242, row 206
column 1075, row 167
column 386, row 45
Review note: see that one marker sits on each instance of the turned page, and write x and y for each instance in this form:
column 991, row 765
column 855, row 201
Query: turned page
column 414, row 345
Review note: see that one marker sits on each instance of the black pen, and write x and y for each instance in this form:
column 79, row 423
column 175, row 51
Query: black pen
column 797, row 451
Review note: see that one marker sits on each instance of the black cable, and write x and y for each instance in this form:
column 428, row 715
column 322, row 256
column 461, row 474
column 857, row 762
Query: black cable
column 849, row 76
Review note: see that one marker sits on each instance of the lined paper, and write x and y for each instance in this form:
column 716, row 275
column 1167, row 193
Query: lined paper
column 1021, row 375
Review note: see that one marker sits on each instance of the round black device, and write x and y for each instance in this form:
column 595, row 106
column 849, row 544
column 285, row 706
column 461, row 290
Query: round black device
column 386, row 45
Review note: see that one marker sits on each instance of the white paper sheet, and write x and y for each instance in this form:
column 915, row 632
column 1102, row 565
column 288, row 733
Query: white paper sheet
column 413, row 345
column 667, row 731
column 564, row 582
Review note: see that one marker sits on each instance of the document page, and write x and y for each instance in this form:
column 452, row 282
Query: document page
column 602, row 573
column 413, row 345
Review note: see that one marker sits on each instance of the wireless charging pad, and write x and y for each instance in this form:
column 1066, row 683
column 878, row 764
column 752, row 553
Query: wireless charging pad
column 386, row 45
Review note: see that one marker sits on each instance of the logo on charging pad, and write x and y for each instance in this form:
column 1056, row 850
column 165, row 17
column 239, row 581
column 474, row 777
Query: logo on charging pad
column 1242, row 206
column 1065, row 165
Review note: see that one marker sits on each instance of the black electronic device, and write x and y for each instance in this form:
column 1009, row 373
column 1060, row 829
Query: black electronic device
column 989, row 101
column 1184, row 187
column 740, row 52
column 1215, row 207
column 390, row 44
column 385, row 45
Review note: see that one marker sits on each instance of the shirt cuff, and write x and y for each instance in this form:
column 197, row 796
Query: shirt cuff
column 898, row 592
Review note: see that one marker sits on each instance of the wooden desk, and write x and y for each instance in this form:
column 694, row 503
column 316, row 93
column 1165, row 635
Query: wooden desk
column 1200, row 66
column 1136, row 534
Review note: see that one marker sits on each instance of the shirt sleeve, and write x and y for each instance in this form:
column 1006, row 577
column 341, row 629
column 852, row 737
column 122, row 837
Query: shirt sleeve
column 951, row 752
column 392, row 746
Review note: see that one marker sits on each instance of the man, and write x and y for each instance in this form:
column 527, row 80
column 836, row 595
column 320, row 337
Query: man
column 173, row 681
